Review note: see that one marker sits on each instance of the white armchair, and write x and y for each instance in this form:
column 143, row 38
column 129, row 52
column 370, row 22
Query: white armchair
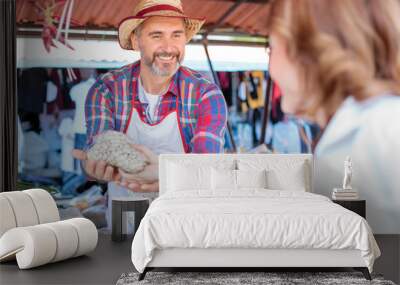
column 31, row 230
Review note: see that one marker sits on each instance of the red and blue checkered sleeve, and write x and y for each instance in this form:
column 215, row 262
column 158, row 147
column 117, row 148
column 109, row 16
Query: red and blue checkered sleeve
column 99, row 109
column 211, row 123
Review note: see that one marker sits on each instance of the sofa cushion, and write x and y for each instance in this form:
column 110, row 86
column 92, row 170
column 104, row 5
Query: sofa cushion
column 40, row 244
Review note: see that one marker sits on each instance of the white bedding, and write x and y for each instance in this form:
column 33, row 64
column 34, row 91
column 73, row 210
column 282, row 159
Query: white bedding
column 251, row 218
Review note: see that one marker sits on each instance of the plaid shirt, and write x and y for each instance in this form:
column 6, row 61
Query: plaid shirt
column 201, row 107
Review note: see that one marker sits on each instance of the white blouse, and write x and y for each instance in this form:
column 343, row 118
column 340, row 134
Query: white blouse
column 369, row 132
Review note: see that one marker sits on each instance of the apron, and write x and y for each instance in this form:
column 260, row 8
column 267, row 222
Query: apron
column 162, row 137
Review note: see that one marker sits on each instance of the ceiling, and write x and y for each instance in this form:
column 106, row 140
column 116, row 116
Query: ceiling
column 226, row 16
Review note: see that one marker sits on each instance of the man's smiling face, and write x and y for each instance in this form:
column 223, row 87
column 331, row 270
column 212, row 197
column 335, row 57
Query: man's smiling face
column 161, row 42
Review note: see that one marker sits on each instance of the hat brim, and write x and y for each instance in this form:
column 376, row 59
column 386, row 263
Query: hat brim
column 128, row 25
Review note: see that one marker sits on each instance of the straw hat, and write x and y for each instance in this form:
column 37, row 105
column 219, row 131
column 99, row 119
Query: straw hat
column 149, row 8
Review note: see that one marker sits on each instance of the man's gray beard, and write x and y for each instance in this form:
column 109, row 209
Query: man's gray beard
column 158, row 71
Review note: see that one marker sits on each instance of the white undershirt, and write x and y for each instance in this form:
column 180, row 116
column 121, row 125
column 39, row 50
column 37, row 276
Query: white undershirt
column 152, row 100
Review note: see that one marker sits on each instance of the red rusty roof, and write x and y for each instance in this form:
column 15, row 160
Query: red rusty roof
column 248, row 17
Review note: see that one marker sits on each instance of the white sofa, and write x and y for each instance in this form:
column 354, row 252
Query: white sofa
column 31, row 231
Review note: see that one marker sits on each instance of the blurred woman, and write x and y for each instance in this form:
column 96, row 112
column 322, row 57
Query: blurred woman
column 338, row 64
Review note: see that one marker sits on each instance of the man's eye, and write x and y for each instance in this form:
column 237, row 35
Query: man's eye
column 156, row 37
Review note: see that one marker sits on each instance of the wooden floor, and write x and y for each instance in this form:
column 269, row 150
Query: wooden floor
column 110, row 260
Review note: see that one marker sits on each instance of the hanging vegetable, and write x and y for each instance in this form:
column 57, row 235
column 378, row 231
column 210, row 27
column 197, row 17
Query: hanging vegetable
column 50, row 33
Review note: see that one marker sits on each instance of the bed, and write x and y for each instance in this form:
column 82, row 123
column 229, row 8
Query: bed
column 247, row 211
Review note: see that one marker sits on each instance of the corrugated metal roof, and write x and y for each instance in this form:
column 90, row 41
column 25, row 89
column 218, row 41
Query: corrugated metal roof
column 248, row 17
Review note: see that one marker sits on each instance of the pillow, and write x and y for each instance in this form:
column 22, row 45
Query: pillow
column 292, row 179
column 223, row 179
column 226, row 179
column 251, row 178
column 193, row 172
column 283, row 173
column 188, row 177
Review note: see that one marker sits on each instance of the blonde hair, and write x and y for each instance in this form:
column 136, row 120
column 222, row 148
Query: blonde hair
column 341, row 48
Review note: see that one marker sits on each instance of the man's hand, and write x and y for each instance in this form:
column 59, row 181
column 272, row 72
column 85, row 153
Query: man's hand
column 150, row 173
column 147, row 179
column 97, row 170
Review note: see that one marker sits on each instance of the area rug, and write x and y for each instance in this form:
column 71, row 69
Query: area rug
column 243, row 278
